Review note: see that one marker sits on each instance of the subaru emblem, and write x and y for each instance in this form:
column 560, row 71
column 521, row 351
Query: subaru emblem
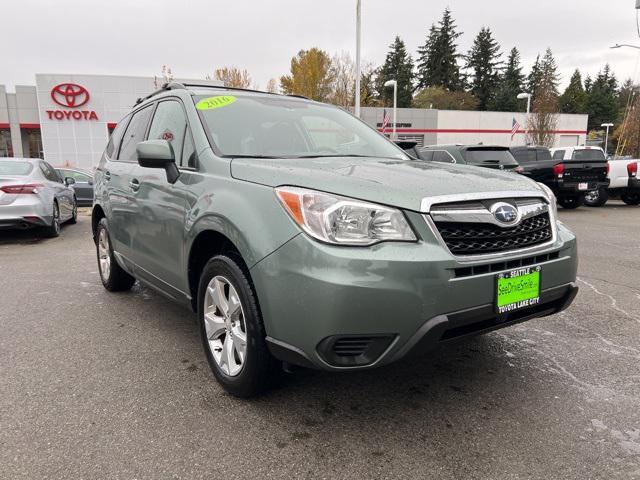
column 505, row 213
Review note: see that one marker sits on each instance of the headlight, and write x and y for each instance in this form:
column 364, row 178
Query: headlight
column 344, row 221
column 552, row 199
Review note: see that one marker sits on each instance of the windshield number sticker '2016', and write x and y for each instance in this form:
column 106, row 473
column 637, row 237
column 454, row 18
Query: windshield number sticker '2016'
column 215, row 102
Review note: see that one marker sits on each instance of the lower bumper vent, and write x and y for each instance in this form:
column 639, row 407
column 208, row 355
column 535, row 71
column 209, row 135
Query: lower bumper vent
column 353, row 350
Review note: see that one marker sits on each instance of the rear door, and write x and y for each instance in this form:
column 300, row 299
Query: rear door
column 60, row 191
column 117, row 178
column 158, row 247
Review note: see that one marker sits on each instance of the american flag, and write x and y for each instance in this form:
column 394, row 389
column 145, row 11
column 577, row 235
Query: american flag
column 385, row 121
column 514, row 127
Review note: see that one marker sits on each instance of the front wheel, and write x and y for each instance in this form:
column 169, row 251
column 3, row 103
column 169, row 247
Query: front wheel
column 232, row 331
column 571, row 203
column 113, row 277
column 596, row 198
column 631, row 198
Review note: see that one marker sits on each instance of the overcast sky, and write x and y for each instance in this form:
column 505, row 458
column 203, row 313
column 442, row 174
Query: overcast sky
column 136, row 37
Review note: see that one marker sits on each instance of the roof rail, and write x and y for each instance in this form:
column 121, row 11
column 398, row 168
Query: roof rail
column 240, row 89
column 163, row 88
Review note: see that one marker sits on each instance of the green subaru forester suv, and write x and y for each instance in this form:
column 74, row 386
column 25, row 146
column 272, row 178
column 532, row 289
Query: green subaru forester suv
column 301, row 236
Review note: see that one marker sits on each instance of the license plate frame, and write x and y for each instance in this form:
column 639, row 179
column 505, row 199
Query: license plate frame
column 517, row 289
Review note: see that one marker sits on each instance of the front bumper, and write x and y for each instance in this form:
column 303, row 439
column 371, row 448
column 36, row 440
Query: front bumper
column 392, row 298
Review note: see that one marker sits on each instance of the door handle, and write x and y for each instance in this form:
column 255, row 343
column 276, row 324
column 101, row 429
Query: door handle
column 134, row 184
column 107, row 175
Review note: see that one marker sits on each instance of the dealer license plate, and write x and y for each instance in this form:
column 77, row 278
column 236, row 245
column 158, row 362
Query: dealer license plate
column 518, row 289
column 583, row 186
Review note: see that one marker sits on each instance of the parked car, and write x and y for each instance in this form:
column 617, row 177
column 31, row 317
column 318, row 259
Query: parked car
column 490, row 156
column 570, row 173
column 32, row 194
column 623, row 183
column 302, row 236
column 83, row 185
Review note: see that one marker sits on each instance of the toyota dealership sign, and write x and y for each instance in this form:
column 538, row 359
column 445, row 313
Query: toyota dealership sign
column 71, row 96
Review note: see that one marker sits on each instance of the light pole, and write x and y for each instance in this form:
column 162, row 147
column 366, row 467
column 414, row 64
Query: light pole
column 358, row 35
column 606, row 137
column 522, row 96
column 394, row 84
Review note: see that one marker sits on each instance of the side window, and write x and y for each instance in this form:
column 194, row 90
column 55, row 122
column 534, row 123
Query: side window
column 169, row 123
column 134, row 134
column 443, row 157
column 49, row 172
column 543, row 154
column 558, row 155
column 116, row 137
column 77, row 176
column 425, row 155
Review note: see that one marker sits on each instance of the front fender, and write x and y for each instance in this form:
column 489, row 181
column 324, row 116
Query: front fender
column 248, row 214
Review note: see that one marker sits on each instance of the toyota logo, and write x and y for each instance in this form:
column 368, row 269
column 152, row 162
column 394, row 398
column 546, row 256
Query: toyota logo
column 505, row 213
column 70, row 95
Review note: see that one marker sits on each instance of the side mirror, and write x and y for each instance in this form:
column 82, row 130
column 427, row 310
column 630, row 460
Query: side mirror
column 158, row 154
column 68, row 181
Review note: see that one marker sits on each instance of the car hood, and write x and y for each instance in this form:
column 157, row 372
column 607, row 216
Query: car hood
column 398, row 183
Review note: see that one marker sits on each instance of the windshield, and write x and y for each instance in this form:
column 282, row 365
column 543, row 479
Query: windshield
column 281, row 127
column 12, row 167
column 489, row 156
column 589, row 155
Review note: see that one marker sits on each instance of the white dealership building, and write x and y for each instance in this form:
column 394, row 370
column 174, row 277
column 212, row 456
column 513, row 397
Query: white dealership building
column 66, row 119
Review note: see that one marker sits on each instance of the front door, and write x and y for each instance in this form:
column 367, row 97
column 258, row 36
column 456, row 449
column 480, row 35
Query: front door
column 158, row 245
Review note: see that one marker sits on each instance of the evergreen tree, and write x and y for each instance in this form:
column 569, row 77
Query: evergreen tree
column 510, row 84
column 549, row 78
column 484, row 62
column 627, row 94
column 534, row 78
column 574, row 98
column 397, row 66
column 438, row 58
column 602, row 101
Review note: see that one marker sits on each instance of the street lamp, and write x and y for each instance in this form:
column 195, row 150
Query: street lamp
column 358, row 31
column 606, row 137
column 522, row 96
column 394, row 84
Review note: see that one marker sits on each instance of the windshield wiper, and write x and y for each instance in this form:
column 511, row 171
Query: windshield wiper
column 343, row 155
column 250, row 156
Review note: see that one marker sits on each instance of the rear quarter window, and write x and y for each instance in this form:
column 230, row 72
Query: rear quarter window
column 116, row 137
column 558, row 155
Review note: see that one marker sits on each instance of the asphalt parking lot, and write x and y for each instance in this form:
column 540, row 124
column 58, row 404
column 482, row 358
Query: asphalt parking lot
column 101, row 385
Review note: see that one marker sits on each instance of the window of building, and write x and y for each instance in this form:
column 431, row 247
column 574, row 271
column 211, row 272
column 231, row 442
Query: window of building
column 32, row 143
column 6, row 148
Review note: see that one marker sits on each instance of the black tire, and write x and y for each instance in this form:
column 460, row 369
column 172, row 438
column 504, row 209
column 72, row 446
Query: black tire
column 596, row 198
column 571, row 202
column 631, row 198
column 53, row 230
column 117, row 280
column 260, row 370
column 74, row 216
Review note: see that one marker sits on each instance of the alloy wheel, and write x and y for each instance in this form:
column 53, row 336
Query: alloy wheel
column 104, row 255
column 225, row 326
